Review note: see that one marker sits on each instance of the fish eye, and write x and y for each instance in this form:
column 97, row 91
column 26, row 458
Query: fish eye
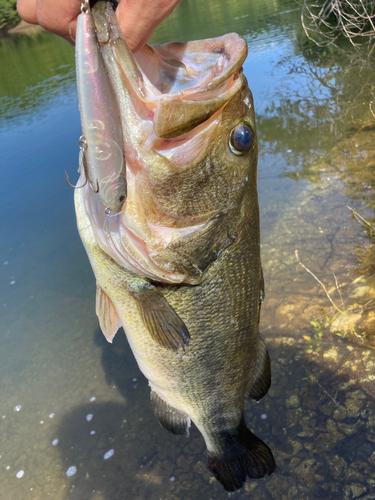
column 122, row 198
column 241, row 139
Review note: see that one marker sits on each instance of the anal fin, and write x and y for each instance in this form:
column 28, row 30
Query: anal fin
column 169, row 418
column 107, row 314
column 262, row 379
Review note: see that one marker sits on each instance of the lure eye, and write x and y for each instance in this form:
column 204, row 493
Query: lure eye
column 241, row 139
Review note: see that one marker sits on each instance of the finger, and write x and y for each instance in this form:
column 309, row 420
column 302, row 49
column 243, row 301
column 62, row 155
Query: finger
column 27, row 11
column 58, row 17
column 139, row 18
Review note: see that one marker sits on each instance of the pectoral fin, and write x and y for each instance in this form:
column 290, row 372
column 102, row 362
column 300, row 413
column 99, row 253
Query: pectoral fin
column 161, row 320
column 107, row 314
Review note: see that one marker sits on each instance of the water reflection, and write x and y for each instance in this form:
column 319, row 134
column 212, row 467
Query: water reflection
column 319, row 414
column 34, row 70
column 322, row 96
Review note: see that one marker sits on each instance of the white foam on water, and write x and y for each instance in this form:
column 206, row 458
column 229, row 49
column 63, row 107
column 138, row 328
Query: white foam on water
column 109, row 454
column 71, row 471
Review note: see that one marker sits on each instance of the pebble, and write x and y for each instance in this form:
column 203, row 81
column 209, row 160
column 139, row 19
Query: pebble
column 264, row 416
column 17, row 408
column 93, row 398
column 108, row 454
column 54, row 442
column 92, row 433
column 51, row 415
column 89, row 417
column 71, row 471
column 20, row 474
column 172, row 479
column 12, row 282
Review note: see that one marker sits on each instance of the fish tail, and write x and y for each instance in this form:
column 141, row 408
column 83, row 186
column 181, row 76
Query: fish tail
column 244, row 455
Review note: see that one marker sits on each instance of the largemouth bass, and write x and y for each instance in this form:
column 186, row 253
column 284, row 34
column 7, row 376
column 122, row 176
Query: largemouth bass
column 179, row 266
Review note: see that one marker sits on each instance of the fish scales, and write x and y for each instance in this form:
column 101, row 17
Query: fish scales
column 179, row 267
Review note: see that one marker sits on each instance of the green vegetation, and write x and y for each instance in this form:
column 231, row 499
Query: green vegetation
column 316, row 341
column 8, row 14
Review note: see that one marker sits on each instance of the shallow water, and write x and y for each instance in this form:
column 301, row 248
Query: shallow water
column 75, row 414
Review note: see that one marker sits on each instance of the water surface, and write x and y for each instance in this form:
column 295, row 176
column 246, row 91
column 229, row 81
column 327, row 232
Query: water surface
column 75, row 415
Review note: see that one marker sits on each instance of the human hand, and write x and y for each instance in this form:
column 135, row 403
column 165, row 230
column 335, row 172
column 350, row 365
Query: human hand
column 137, row 18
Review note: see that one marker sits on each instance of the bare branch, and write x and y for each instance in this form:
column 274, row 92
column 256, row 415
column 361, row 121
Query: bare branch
column 325, row 22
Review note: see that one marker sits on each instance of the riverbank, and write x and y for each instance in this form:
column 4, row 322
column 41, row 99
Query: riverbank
column 23, row 28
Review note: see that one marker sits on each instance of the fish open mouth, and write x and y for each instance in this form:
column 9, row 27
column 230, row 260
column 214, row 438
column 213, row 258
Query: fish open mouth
column 180, row 84
column 198, row 79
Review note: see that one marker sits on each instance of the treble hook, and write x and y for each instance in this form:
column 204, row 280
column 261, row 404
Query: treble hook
column 85, row 6
column 82, row 144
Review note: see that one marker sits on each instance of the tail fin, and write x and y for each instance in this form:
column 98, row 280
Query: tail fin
column 245, row 455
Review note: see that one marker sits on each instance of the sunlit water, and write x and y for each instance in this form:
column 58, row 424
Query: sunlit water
column 75, row 417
